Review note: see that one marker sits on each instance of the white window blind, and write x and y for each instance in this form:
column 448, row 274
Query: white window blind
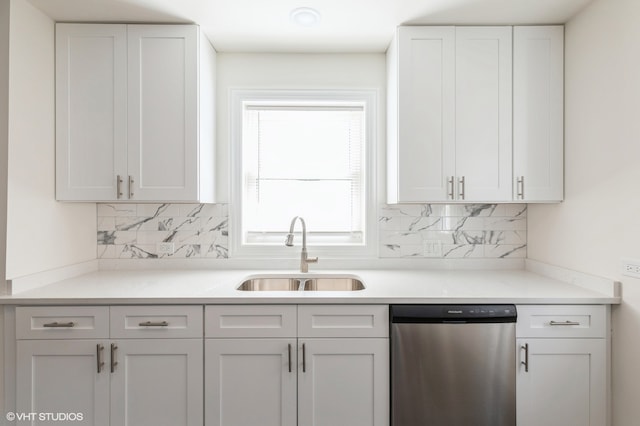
column 304, row 159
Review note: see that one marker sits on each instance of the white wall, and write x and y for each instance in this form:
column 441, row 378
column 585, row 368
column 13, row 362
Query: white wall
column 294, row 71
column 4, row 112
column 599, row 222
column 4, row 132
column 41, row 233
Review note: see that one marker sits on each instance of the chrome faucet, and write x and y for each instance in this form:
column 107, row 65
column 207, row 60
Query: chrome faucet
column 304, row 259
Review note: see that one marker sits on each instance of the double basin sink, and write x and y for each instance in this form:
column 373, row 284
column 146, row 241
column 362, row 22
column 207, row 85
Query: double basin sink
column 302, row 283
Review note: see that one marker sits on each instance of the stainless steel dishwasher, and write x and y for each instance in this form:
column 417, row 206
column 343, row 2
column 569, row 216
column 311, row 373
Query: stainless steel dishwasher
column 453, row 365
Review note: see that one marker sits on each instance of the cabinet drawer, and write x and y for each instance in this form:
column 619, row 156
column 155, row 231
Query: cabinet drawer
column 343, row 321
column 250, row 321
column 580, row 321
column 62, row 322
column 156, row 322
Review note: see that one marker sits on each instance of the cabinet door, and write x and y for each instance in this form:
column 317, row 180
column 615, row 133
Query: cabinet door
column 538, row 76
column 157, row 382
column 61, row 376
column 250, row 382
column 163, row 87
column 565, row 384
column 343, row 382
column 91, row 110
column 425, row 115
column 483, row 113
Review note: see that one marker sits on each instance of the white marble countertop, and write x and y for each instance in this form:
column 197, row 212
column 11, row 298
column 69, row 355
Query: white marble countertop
column 382, row 287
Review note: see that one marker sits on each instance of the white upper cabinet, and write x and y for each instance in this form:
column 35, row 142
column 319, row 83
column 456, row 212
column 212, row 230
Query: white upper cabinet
column 483, row 113
column 538, row 126
column 449, row 131
column 421, row 113
column 91, row 110
column 474, row 114
column 134, row 107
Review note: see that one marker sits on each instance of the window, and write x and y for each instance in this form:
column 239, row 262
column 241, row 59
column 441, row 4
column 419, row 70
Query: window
column 308, row 154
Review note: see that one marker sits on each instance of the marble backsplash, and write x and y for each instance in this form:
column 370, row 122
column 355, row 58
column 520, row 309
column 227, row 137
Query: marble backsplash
column 127, row 231
column 457, row 230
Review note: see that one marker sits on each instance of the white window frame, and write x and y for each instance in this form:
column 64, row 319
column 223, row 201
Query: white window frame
column 238, row 249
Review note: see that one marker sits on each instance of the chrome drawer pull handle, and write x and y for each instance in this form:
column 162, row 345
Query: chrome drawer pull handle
column 461, row 182
column 304, row 359
column 114, row 348
column 59, row 324
column 99, row 349
column 520, row 186
column 130, row 187
column 154, row 324
column 553, row 323
column 118, row 187
column 526, row 357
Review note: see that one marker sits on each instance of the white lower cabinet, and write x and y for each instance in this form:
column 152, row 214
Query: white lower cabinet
column 157, row 382
column 255, row 371
column 105, row 381
column 344, row 382
column 276, row 365
column 563, row 366
column 60, row 376
column 299, row 379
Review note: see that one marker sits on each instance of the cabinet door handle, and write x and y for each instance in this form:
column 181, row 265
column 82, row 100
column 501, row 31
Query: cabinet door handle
column 304, row 359
column 130, row 186
column 154, row 324
column 526, row 357
column 99, row 350
column 118, row 187
column 556, row 323
column 114, row 348
column 520, row 187
column 461, row 183
column 450, row 187
column 59, row 324
column 289, row 350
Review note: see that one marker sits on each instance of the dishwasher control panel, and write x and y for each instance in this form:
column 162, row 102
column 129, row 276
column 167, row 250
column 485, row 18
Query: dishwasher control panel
column 453, row 313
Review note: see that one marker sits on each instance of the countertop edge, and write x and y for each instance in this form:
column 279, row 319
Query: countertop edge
column 308, row 301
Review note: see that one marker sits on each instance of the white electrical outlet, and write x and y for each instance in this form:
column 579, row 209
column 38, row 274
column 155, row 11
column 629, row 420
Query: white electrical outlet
column 631, row 268
column 165, row 248
column 432, row 248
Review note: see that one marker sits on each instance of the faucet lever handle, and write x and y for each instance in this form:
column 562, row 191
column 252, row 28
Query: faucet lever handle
column 312, row 260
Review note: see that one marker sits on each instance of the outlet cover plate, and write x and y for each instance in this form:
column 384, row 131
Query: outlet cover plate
column 432, row 248
column 631, row 268
column 165, row 248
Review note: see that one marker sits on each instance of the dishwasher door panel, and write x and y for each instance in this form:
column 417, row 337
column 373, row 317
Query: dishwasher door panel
column 447, row 374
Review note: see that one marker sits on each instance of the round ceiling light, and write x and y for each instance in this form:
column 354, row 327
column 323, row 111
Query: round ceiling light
column 305, row 16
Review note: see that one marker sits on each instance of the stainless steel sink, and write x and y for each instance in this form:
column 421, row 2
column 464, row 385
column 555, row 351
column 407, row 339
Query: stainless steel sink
column 297, row 283
column 270, row 284
column 333, row 284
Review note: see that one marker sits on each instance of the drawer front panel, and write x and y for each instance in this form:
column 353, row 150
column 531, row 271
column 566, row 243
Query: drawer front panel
column 343, row 321
column 156, row 322
column 250, row 321
column 579, row 321
column 62, row 322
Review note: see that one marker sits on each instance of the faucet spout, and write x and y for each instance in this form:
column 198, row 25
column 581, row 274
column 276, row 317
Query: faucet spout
column 304, row 258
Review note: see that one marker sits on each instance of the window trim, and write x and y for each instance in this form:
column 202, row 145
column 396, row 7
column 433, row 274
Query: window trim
column 239, row 250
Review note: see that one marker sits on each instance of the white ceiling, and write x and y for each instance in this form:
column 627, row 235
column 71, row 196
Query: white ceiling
column 346, row 26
